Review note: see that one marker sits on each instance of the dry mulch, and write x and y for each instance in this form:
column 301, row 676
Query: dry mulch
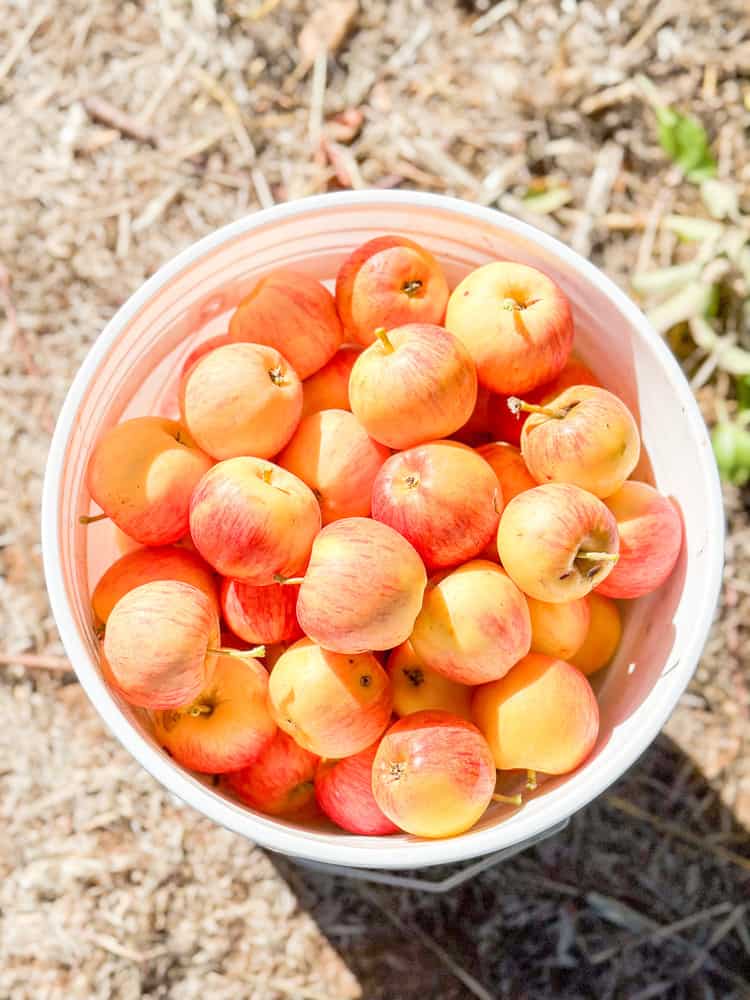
column 130, row 130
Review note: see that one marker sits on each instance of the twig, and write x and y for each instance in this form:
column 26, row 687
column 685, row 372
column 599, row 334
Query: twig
column 412, row 930
column 230, row 108
column 16, row 334
column 493, row 16
column 662, row 933
column 35, row 661
column 23, row 40
column 154, row 102
column 608, row 164
column 673, row 830
column 724, row 928
column 263, row 10
column 107, row 114
column 107, row 943
column 317, row 98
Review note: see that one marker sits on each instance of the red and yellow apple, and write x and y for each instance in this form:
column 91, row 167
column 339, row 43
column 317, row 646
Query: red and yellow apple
column 516, row 323
column 332, row 704
column 241, row 399
column 416, row 383
column 253, row 521
column 417, row 688
column 328, row 389
column 363, row 587
column 474, row 624
column 388, row 282
column 650, row 530
column 508, row 465
column 333, row 453
column 294, row 314
column 558, row 630
column 602, row 637
column 542, row 716
column 557, row 542
column 433, row 774
column 443, row 498
column 264, row 615
column 343, row 789
column 280, row 782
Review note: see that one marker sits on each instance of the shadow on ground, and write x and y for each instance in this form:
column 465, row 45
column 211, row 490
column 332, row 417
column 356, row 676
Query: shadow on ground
column 646, row 894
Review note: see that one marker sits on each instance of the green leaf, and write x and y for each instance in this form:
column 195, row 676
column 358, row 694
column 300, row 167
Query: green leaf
column 731, row 444
column 743, row 392
column 685, row 141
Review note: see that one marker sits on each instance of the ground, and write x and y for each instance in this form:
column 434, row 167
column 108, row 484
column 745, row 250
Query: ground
column 111, row 889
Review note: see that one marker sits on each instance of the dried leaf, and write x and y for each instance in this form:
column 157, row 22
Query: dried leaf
column 326, row 29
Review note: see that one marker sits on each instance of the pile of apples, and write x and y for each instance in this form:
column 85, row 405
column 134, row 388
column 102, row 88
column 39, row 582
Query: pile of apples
column 407, row 501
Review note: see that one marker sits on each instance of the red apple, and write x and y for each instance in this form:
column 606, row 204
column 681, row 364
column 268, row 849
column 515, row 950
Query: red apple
column 509, row 467
column 363, row 587
column 293, row 313
column 280, row 782
column 227, row 726
column 516, row 323
column 388, row 282
column 253, row 521
column 476, row 430
column 414, row 384
column 443, row 498
column 650, row 530
column 261, row 614
column 343, row 789
column 433, row 774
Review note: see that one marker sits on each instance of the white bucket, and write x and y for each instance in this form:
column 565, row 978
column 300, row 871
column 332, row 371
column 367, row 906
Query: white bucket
column 128, row 371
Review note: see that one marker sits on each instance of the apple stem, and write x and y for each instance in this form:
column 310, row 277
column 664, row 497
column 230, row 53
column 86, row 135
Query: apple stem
column 239, row 654
column 278, row 578
column 511, row 304
column 508, row 800
column 515, row 405
column 531, row 782
column 197, row 710
column 382, row 336
column 598, row 556
column 91, row 519
column 266, row 474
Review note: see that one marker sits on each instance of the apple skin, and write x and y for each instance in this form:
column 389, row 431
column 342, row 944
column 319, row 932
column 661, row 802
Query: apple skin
column 433, row 774
column 328, row 389
column 142, row 473
column 228, row 725
column 241, row 399
column 474, row 624
column 507, row 426
column 373, row 287
column 258, row 615
column 144, row 565
column 280, row 782
column 332, row 704
column 249, row 528
column 294, row 314
column 443, row 498
column 516, row 323
column 363, row 587
column 603, row 635
column 508, row 465
column 595, row 445
column 343, row 789
column 650, row 530
column 157, row 644
column 559, row 630
column 541, row 716
column 476, row 430
column 417, row 688
column 543, row 533
column 420, row 388
column 333, row 453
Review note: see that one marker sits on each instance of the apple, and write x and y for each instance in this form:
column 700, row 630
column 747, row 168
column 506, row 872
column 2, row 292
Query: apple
column 332, row 704
column 280, row 782
column 293, row 313
column 241, row 399
column 343, row 789
column 161, row 644
column 558, row 630
column 557, row 542
column 417, row 688
column 516, row 323
column 443, row 498
column 585, row 436
column 507, row 426
column 433, row 774
column 650, row 530
column 416, row 383
column 333, row 453
column 328, row 389
column 476, row 430
column 143, row 565
column 508, row 465
column 388, row 282
column 264, row 615
column 228, row 724
column 253, row 521
column 205, row 347
column 363, row 587
column 142, row 473
column 542, row 716
column 603, row 635
column 474, row 624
